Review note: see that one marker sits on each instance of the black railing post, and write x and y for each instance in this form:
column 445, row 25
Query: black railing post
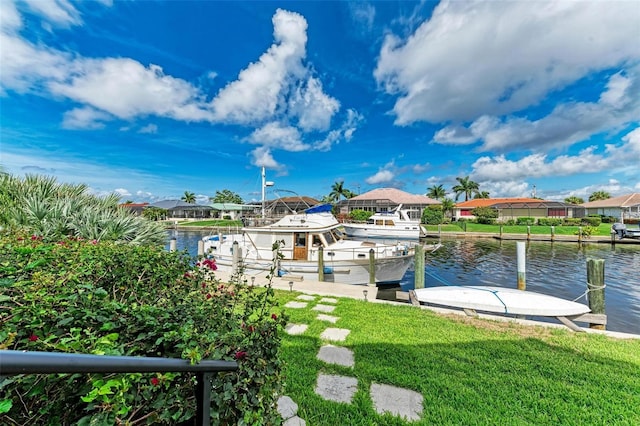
column 203, row 399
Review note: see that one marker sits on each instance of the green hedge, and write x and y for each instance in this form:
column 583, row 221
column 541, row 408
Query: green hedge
column 117, row 299
column 549, row 221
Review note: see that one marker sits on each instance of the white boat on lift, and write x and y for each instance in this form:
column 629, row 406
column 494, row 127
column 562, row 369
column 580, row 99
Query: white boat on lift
column 396, row 224
column 303, row 238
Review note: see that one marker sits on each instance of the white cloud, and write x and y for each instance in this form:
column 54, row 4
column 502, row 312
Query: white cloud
column 312, row 106
column 363, row 15
column 58, row 12
column 9, row 17
column 261, row 157
column 507, row 188
column 122, row 192
column 149, row 128
column 127, row 89
column 258, row 92
column 615, row 157
column 275, row 135
column 566, row 124
column 481, row 57
column 383, row 176
column 84, row 118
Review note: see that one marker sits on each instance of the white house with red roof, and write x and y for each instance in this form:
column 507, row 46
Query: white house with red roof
column 513, row 208
column 386, row 199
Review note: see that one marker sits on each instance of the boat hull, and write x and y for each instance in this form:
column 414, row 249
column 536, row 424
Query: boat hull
column 500, row 300
column 389, row 270
column 409, row 232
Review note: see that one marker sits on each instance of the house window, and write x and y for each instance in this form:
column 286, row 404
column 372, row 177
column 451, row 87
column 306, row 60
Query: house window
column 556, row 213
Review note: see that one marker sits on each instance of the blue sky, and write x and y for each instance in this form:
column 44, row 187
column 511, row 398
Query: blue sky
column 151, row 99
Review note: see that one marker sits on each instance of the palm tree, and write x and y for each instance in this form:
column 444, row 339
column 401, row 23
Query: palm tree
column 189, row 197
column 574, row 200
column 338, row 190
column 447, row 206
column 436, row 192
column 482, row 194
column 599, row 195
column 466, row 187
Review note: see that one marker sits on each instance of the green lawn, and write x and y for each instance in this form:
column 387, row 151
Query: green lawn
column 212, row 222
column 603, row 230
column 469, row 371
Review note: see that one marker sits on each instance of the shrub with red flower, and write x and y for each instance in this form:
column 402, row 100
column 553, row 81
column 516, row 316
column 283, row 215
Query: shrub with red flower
column 240, row 355
column 155, row 381
column 33, row 338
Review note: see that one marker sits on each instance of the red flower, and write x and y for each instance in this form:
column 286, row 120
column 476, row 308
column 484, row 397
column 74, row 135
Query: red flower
column 20, row 239
column 35, row 237
column 274, row 316
column 208, row 296
column 252, row 328
column 155, row 381
column 210, row 263
column 33, row 338
column 204, row 285
column 187, row 275
column 94, row 242
column 241, row 355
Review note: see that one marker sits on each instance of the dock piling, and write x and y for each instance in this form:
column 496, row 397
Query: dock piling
column 372, row 267
column 419, row 267
column 320, row 264
column 595, row 288
column 172, row 244
column 522, row 265
column 200, row 248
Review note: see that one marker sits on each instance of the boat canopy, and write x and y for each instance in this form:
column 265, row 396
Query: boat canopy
column 320, row 208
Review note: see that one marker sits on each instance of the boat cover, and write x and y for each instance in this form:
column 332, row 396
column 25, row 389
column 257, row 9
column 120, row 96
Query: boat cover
column 320, row 208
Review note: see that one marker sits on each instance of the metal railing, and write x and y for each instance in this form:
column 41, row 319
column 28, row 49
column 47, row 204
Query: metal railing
column 25, row 362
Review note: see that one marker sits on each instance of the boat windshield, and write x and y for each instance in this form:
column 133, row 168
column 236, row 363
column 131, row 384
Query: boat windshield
column 329, row 237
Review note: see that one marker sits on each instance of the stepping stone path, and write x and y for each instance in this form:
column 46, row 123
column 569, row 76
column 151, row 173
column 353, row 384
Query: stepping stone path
column 400, row 402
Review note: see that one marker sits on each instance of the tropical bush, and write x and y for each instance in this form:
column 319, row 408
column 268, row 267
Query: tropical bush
column 86, row 296
column 594, row 220
column 485, row 215
column 572, row 221
column 529, row 221
column 39, row 205
column 549, row 221
column 360, row 215
column 432, row 215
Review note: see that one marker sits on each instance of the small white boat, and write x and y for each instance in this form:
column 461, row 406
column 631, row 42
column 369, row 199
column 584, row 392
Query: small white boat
column 303, row 238
column 395, row 224
column 500, row 300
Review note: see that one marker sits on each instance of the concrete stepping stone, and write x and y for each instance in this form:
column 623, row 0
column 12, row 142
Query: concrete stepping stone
column 322, row 308
column 336, row 388
column 397, row 401
column 288, row 410
column 286, row 407
column 306, row 297
column 328, row 318
column 336, row 355
column 295, row 305
column 328, row 300
column 335, row 334
column 295, row 329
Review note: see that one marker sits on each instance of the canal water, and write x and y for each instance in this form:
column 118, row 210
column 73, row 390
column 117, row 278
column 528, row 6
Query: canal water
column 558, row 269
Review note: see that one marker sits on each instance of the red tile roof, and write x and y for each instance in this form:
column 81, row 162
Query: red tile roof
column 395, row 195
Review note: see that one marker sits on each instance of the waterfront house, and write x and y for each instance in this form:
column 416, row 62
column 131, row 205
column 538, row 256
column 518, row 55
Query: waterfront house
column 135, row 208
column 625, row 207
column 232, row 211
column 178, row 209
column 513, row 208
column 386, row 199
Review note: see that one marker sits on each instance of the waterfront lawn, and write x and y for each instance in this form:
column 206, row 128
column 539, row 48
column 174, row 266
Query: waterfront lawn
column 603, row 230
column 469, row 371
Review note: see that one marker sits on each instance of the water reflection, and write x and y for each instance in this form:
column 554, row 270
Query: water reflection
column 557, row 269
